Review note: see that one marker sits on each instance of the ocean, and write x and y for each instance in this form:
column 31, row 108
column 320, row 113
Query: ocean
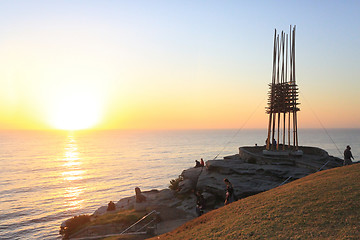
column 50, row 176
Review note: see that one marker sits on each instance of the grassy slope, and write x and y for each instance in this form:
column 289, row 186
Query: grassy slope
column 324, row 205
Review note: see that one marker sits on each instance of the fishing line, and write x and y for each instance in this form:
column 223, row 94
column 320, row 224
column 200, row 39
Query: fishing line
column 302, row 95
column 241, row 128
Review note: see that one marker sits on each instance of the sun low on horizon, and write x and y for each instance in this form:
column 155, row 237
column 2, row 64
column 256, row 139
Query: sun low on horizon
column 75, row 113
column 76, row 103
column 62, row 95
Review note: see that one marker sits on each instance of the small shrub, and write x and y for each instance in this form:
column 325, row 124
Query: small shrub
column 74, row 224
column 174, row 183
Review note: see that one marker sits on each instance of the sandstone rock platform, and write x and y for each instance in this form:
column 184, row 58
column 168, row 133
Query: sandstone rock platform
column 250, row 172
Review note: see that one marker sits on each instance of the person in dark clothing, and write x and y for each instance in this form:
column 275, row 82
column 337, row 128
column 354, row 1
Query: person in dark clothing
column 348, row 155
column 111, row 206
column 200, row 203
column 197, row 164
column 230, row 195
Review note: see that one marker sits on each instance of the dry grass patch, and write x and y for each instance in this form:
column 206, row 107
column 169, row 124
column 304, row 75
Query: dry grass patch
column 324, row 205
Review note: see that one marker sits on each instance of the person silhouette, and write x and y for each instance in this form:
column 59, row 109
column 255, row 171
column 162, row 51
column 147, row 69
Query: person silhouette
column 348, row 155
column 230, row 195
column 197, row 164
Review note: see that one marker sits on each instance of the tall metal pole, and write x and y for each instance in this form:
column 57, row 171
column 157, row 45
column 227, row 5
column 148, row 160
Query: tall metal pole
column 283, row 86
column 271, row 95
column 278, row 93
column 297, row 139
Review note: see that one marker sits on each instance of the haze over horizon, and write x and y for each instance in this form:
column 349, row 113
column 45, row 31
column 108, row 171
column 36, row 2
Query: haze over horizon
column 172, row 65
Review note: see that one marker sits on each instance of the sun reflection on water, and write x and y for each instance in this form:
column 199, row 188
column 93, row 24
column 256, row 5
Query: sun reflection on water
column 72, row 174
column 72, row 199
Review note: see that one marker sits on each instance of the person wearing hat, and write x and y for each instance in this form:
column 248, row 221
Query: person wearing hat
column 347, row 156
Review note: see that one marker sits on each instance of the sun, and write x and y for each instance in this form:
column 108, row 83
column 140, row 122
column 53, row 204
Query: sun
column 75, row 112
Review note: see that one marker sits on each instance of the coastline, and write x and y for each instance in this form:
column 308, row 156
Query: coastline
column 177, row 206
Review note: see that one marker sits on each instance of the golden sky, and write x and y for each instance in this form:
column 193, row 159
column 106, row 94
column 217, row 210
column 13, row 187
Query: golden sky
column 171, row 65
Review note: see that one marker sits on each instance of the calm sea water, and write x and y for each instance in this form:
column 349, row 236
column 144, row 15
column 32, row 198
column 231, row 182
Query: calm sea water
column 48, row 177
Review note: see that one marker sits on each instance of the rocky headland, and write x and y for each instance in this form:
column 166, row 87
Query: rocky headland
column 250, row 171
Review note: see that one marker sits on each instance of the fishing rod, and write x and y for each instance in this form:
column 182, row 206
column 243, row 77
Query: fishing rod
column 313, row 112
column 241, row 128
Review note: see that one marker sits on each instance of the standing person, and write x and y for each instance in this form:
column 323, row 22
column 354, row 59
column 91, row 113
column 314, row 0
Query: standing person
column 202, row 162
column 347, row 156
column 230, row 195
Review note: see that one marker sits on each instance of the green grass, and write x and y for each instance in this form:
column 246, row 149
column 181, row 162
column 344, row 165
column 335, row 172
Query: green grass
column 324, row 205
column 126, row 217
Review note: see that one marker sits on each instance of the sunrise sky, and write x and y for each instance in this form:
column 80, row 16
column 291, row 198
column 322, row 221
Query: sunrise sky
column 172, row 64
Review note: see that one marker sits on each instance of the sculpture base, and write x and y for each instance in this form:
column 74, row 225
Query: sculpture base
column 275, row 153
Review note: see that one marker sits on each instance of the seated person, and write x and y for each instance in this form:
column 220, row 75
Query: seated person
column 138, row 196
column 202, row 162
column 111, row 206
column 197, row 164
